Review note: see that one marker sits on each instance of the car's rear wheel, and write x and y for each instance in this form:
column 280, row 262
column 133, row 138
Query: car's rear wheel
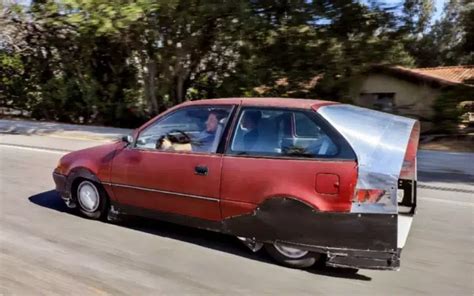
column 291, row 257
column 92, row 199
column 348, row 271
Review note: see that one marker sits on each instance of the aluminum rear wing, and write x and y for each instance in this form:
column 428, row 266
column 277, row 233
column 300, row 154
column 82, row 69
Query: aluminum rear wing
column 385, row 146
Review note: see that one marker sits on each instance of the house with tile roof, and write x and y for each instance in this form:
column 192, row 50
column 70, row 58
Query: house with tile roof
column 408, row 91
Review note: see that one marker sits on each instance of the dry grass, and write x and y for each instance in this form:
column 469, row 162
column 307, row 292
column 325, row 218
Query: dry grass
column 447, row 144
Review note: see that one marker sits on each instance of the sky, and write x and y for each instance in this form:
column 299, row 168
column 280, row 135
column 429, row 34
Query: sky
column 439, row 4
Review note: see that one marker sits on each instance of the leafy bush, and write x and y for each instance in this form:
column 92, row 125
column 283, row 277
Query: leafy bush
column 447, row 111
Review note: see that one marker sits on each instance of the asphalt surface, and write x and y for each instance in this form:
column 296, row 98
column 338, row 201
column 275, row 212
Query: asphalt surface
column 47, row 249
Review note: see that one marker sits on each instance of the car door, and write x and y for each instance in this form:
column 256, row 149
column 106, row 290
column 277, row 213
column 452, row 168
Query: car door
column 273, row 162
column 181, row 178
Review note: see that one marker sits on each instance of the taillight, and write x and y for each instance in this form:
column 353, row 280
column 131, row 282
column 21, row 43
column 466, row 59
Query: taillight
column 368, row 195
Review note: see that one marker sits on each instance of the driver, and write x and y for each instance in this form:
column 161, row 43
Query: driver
column 205, row 139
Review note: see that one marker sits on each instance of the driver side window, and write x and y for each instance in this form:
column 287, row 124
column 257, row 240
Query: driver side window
column 192, row 129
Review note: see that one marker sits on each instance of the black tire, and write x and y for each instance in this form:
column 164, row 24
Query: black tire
column 348, row 270
column 97, row 212
column 305, row 261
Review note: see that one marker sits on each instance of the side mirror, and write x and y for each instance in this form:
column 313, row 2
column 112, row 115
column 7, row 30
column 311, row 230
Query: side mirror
column 127, row 139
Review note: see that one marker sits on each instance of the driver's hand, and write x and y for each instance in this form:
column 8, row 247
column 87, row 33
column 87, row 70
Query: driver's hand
column 166, row 145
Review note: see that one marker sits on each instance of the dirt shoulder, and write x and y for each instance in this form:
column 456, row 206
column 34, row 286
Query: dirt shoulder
column 449, row 143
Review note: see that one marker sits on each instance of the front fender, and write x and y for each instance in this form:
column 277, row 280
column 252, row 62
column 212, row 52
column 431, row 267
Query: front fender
column 93, row 163
column 80, row 172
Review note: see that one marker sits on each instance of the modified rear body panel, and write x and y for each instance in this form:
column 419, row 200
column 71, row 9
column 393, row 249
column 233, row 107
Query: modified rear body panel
column 347, row 239
column 386, row 147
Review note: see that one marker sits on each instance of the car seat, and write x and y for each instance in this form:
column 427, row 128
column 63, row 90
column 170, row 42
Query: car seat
column 218, row 134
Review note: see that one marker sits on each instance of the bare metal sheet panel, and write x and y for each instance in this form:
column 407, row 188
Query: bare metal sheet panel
column 379, row 140
column 403, row 227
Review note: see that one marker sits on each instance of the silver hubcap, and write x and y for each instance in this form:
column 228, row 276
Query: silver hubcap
column 290, row 252
column 88, row 196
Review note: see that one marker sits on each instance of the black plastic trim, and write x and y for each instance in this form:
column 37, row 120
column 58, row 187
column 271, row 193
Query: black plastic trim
column 60, row 181
column 409, row 188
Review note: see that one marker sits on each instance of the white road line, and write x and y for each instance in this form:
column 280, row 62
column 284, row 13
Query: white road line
column 453, row 202
column 84, row 138
column 422, row 185
column 33, row 149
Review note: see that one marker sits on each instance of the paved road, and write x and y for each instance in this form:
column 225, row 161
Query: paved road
column 45, row 249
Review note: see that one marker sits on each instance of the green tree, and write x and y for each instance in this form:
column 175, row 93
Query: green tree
column 117, row 62
column 417, row 15
column 304, row 41
column 448, row 42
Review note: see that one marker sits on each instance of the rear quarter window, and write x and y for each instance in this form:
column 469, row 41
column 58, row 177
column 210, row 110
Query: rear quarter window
column 305, row 127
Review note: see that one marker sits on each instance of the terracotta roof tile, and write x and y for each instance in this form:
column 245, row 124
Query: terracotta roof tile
column 447, row 75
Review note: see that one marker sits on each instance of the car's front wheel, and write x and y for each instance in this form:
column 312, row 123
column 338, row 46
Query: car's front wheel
column 92, row 199
column 291, row 257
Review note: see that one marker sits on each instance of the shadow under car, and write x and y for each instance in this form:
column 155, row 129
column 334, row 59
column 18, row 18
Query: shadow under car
column 213, row 240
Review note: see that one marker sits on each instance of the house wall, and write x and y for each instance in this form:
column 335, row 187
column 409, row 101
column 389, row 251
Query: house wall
column 411, row 99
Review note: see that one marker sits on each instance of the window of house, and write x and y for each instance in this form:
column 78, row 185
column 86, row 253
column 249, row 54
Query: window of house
column 380, row 101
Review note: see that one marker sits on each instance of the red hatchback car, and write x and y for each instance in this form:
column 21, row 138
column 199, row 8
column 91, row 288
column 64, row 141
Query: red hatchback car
column 307, row 180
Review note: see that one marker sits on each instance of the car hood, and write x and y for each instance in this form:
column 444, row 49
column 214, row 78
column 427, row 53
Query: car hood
column 95, row 159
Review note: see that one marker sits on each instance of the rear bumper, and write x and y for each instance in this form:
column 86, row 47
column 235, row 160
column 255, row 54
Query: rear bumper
column 381, row 260
column 61, row 187
column 355, row 255
column 366, row 260
column 356, row 258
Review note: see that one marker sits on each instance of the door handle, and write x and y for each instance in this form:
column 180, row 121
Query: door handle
column 201, row 170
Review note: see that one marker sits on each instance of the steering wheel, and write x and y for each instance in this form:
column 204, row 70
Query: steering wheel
column 183, row 138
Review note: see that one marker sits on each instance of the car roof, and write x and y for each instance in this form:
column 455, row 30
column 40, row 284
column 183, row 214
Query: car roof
column 270, row 102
